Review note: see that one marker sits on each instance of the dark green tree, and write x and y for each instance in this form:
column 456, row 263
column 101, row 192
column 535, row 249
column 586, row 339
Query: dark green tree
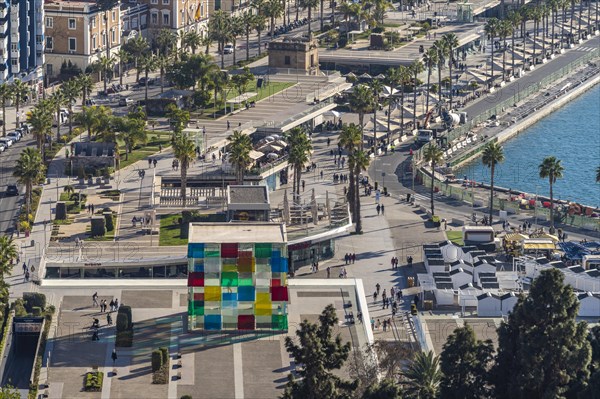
column 386, row 389
column 542, row 351
column 465, row 363
column 318, row 352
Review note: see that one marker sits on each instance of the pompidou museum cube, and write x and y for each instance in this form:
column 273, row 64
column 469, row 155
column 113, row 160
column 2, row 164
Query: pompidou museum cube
column 237, row 276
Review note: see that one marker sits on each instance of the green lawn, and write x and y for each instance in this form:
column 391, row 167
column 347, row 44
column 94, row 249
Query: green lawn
column 455, row 236
column 143, row 151
column 169, row 231
column 265, row 91
column 110, row 235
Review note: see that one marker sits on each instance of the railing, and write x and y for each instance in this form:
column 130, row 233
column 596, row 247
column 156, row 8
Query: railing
column 522, row 94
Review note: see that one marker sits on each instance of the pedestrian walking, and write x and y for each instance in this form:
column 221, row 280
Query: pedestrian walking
column 377, row 324
column 321, row 175
column 409, row 260
column 384, row 325
column 372, row 323
column 377, row 287
column 24, row 268
column 393, row 263
column 392, row 293
column 149, row 162
column 378, row 208
column 328, row 272
column 114, row 356
column 228, row 125
column 154, row 162
column 303, row 185
column 344, row 272
column 382, row 209
column 112, row 305
column 375, row 296
column 108, row 319
column 95, row 299
column 328, row 141
column 116, row 304
column 27, row 275
column 353, row 258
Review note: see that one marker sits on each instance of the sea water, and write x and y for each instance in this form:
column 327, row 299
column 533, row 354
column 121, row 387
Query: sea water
column 571, row 134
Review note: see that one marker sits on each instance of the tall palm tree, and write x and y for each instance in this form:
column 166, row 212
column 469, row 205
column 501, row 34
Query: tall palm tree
column 392, row 79
column 405, row 76
column 424, row 376
column 260, row 24
column 272, row 9
column 165, row 41
column 70, row 90
column 525, row 12
column 236, row 29
column 551, row 169
column 29, row 171
column 442, row 52
column 9, row 253
column 6, row 94
column 239, row 148
column 248, row 21
column 106, row 64
column 58, row 100
column 434, row 156
column 376, row 87
column 359, row 161
column 308, row 5
column 162, row 62
column 20, row 91
column 147, row 63
column 514, row 17
column 299, row 155
column 350, row 140
column 219, row 29
column 40, row 119
column 184, row 151
column 536, row 16
column 123, row 56
column 451, row 42
column 84, row 81
column 416, row 67
column 491, row 29
column 137, row 47
column 564, row 5
column 191, row 40
column 504, row 30
column 361, row 101
column 430, row 58
column 132, row 131
column 493, row 154
column 93, row 119
column 349, row 10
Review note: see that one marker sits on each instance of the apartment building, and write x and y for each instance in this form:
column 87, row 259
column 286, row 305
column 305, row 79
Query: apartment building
column 177, row 15
column 80, row 33
column 21, row 40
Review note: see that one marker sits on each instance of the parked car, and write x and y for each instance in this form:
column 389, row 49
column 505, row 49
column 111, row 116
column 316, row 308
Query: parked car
column 90, row 102
column 2, row 147
column 6, row 141
column 12, row 190
column 125, row 102
column 14, row 136
column 142, row 81
column 228, row 49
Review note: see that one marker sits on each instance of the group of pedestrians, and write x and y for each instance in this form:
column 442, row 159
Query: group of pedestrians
column 350, row 258
column 394, row 262
column 91, row 209
column 152, row 162
column 380, row 209
column 26, row 274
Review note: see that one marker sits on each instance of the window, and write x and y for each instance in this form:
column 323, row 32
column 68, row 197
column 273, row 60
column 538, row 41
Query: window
column 165, row 2
column 13, row 47
column 94, row 42
column 114, row 16
column 112, row 36
column 287, row 60
column 125, row 25
column 49, row 43
column 104, row 38
column 72, row 44
column 14, row 62
column 153, row 1
column 166, row 19
column 49, row 69
column 39, row 39
column 49, row 22
column 154, row 18
column 93, row 22
column 72, row 24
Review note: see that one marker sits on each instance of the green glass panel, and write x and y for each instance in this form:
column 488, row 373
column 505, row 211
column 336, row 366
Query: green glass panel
column 279, row 322
column 262, row 250
column 229, row 279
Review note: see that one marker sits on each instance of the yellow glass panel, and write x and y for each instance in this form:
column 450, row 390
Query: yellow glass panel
column 212, row 294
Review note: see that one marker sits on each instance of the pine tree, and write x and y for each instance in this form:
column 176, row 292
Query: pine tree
column 542, row 351
column 465, row 362
column 318, row 352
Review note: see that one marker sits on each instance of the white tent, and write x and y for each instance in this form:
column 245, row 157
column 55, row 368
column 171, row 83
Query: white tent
column 589, row 304
column 508, row 301
column 489, row 305
column 460, row 277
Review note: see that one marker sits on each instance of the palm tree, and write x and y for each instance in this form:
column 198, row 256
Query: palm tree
column 424, row 376
column 405, row 76
column 137, row 47
column 191, row 40
column 430, row 58
column 434, row 156
column 598, row 174
column 504, row 30
column 184, row 151
column 9, row 253
column 29, row 170
column 165, row 41
column 441, row 50
column 361, row 101
column 376, row 87
column 491, row 29
column 536, row 16
column 20, row 91
column 6, row 94
column 551, row 169
column 219, row 80
column 514, row 17
column 349, row 9
column 350, row 140
column 132, row 132
column 248, row 21
column 147, row 63
column 564, row 5
column 525, row 16
column 260, row 24
column 123, row 56
column 84, row 81
column 93, row 119
column 299, row 155
column 239, row 148
column 359, row 162
column 106, row 64
column 58, row 99
column 392, row 79
column 493, row 154
column 236, row 29
column 272, row 9
column 451, row 42
column 308, row 5
column 70, row 90
column 219, row 30
column 416, row 68
column 40, row 119
column 162, row 63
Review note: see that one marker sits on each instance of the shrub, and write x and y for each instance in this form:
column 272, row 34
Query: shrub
column 19, row 308
column 122, row 322
column 34, row 299
column 378, row 29
column 93, row 381
column 165, row 354
column 186, row 397
column 110, row 223
column 124, row 309
column 124, row 339
column 161, row 376
column 342, row 42
column 157, row 360
column 36, row 311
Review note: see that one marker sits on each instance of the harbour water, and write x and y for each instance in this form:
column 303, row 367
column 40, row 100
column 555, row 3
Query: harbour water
column 571, row 134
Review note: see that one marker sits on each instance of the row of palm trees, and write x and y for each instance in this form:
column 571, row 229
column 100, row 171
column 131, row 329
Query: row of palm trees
column 493, row 154
column 544, row 15
column 14, row 92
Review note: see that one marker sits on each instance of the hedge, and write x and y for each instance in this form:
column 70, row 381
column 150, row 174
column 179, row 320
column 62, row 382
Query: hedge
column 34, row 299
column 157, row 360
column 93, row 381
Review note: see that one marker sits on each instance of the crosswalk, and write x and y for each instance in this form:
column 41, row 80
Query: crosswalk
column 426, row 197
column 587, row 48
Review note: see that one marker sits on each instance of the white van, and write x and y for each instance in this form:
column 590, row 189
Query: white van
column 424, row 136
